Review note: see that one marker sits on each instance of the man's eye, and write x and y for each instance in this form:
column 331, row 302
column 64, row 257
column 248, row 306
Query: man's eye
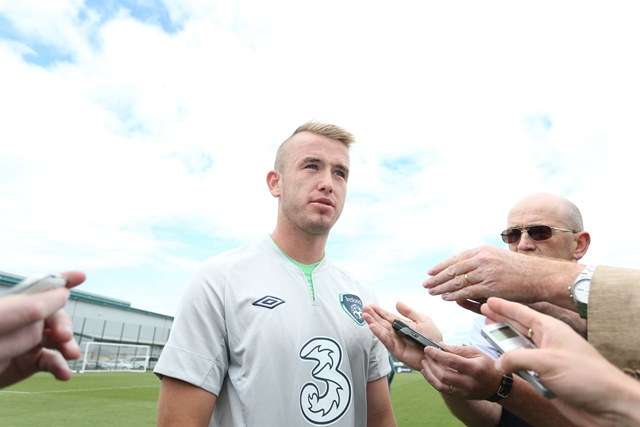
column 340, row 173
column 311, row 166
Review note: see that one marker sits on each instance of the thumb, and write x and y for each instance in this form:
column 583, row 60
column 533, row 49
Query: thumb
column 466, row 351
column 410, row 313
column 524, row 359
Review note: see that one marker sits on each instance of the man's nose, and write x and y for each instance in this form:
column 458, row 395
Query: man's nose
column 526, row 243
column 326, row 182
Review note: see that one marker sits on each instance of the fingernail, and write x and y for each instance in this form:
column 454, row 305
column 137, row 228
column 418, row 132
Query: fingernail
column 447, row 297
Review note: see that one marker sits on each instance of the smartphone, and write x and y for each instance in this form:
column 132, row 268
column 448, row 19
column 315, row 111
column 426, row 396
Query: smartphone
column 503, row 337
column 413, row 335
column 33, row 285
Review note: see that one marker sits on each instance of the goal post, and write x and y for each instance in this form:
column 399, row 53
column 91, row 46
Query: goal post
column 115, row 357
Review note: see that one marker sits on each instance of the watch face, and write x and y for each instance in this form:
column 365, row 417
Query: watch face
column 581, row 291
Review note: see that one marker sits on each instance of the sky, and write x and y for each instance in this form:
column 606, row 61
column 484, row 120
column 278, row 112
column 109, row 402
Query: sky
column 135, row 136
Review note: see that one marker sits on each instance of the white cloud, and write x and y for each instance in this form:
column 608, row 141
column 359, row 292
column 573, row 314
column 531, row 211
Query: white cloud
column 146, row 127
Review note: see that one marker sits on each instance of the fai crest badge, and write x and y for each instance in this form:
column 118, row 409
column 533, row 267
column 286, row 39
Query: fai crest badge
column 352, row 304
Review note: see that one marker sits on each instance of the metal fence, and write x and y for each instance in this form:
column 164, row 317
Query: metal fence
column 86, row 329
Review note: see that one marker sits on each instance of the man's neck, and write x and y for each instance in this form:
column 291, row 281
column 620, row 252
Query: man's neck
column 301, row 246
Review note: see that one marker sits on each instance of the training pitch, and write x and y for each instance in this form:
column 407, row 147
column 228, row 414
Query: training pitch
column 129, row 399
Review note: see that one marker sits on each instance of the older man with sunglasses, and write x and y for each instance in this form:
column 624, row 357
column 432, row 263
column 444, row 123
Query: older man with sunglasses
column 542, row 225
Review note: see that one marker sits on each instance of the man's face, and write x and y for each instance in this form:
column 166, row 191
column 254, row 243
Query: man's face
column 313, row 182
column 560, row 245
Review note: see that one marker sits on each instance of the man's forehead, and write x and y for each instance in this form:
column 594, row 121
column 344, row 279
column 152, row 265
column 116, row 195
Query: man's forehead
column 306, row 145
column 537, row 213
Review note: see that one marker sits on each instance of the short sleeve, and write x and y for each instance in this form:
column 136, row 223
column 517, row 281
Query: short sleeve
column 379, row 365
column 196, row 351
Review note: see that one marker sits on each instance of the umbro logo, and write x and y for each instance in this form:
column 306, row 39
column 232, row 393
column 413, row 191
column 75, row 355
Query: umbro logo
column 268, row 302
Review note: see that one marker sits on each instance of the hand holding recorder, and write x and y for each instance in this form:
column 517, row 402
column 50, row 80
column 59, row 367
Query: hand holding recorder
column 590, row 390
column 35, row 332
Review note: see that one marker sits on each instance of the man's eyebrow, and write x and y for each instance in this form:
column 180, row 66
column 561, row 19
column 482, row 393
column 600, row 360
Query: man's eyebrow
column 310, row 160
column 342, row 167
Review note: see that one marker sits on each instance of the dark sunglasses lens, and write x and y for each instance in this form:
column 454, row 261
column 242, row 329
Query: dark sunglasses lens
column 540, row 232
column 511, row 236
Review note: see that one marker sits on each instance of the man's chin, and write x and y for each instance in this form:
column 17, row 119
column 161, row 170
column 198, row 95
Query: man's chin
column 319, row 227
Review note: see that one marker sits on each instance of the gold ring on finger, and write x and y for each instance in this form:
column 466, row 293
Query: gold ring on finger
column 530, row 333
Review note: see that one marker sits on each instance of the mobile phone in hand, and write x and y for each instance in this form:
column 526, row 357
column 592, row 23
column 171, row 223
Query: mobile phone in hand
column 504, row 337
column 33, row 285
column 405, row 330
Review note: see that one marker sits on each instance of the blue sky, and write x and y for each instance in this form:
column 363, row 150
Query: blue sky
column 136, row 136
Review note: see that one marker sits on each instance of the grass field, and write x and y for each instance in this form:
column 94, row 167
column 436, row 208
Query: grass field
column 129, row 399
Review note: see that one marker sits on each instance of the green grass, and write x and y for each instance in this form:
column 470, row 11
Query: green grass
column 91, row 399
column 416, row 403
column 129, row 399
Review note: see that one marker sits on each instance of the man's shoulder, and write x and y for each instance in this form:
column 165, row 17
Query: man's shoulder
column 237, row 258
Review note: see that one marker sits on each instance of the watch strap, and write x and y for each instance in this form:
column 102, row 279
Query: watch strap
column 584, row 276
column 506, row 384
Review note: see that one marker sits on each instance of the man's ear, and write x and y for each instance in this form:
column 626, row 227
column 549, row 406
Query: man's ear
column 273, row 182
column 582, row 245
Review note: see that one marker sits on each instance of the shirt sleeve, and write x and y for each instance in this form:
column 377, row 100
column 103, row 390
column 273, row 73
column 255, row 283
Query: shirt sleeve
column 197, row 349
column 379, row 365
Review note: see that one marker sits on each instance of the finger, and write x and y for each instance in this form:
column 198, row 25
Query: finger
column 428, row 375
column 466, row 351
column 20, row 341
column 380, row 332
column 520, row 316
column 470, row 305
column 52, row 361
column 449, row 360
column 524, row 359
column 58, row 327
column 455, row 277
column 410, row 313
column 430, row 372
column 59, row 335
column 474, row 292
column 442, row 375
column 498, row 318
column 379, row 317
column 74, row 278
column 21, row 310
column 451, row 261
column 380, row 314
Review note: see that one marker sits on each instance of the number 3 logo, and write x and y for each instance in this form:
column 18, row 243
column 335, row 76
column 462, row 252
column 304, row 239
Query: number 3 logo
column 324, row 407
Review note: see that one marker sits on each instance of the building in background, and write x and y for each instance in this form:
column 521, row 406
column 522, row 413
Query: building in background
column 98, row 318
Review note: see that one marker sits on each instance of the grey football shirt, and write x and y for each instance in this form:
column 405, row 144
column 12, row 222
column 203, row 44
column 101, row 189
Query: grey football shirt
column 249, row 332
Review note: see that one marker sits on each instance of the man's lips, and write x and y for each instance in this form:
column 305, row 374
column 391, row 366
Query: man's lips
column 323, row 201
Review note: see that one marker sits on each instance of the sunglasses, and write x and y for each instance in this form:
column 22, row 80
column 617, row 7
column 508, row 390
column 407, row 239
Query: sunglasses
column 536, row 232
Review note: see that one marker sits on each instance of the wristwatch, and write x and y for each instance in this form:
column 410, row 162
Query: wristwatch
column 579, row 291
column 506, row 383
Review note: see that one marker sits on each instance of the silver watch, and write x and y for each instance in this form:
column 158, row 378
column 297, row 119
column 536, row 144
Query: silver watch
column 580, row 290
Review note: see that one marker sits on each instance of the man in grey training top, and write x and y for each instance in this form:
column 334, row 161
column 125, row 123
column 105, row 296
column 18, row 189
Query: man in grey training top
column 272, row 334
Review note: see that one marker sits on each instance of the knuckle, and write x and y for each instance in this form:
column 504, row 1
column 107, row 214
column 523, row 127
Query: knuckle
column 34, row 311
column 33, row 336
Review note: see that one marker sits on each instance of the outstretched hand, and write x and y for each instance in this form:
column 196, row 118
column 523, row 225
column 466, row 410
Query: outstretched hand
column 380, row 322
